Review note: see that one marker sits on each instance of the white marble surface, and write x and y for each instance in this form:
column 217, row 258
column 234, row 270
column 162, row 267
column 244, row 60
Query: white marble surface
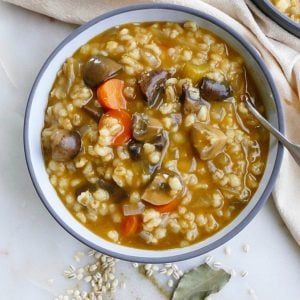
column 34, row 248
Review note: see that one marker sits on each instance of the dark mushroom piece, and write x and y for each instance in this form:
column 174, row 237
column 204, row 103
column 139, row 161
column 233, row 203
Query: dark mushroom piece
column 116, row 192
column 65, row 145
column 208, row 141
column 134, row 149
column 98, row 69
column 152, row 85
column 165, row 187
column 87, row 186
column 212, row 90
column 192, row 100
column 145, row 127
column 94, row 110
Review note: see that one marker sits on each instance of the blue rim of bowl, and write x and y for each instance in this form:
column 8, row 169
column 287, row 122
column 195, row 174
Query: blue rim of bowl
column 266, row 193
column 278, row 17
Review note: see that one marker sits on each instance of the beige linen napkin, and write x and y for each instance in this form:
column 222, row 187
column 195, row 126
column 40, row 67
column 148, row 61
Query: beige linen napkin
column 279, row 49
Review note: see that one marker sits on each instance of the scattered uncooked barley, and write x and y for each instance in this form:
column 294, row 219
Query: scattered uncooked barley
column 217, row 265
column 244, row 273
column 227, row 250
column 99, row 277
column 170, row 283
column 246, row 248
column 208, row 259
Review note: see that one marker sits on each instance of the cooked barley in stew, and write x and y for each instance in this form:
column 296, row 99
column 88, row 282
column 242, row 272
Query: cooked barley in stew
column 291, row 8
column 147, row 140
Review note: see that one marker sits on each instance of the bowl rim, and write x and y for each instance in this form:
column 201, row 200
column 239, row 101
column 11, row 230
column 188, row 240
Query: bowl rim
column 278, row 17
column 264, row 196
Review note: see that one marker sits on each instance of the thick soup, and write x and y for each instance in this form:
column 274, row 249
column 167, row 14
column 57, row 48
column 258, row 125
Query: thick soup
column 147, row 140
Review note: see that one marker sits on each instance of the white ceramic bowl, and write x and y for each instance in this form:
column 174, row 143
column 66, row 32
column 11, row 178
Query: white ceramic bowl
column 38, row 99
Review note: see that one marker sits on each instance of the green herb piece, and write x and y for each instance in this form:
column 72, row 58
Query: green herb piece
column 199, row 283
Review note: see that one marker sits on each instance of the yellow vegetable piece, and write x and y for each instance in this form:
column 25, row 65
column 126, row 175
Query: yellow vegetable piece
column 195, row 72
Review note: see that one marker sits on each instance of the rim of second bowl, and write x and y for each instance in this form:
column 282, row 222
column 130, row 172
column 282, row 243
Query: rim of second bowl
column 278, row 17
column 259, row 203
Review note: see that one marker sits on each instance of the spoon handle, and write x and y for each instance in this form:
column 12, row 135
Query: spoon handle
column 293, row 149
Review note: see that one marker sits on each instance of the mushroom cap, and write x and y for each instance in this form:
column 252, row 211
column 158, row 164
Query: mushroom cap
column 145, row 127
column 65, row 145
column 161, row 191
column 98, row 69
column 212, row 90
column 152, row 84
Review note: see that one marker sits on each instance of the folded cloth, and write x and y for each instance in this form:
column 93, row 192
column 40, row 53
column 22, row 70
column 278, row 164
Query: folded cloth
column 279, row 49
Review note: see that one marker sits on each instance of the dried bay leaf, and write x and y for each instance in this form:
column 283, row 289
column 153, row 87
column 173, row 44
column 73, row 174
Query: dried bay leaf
column 199, row 283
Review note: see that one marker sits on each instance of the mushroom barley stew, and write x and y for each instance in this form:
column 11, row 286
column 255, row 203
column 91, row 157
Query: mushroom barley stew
column 147, row 139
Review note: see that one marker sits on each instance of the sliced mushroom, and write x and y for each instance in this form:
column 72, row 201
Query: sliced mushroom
column 192, row 101
column 152, row 85
column 98, row 69
column 207, row 140
column 116, row 193
column 145, row 127
column 94, row 110
column 212, row 90
column 134, row 149
column 65, row 145
column 165, row 187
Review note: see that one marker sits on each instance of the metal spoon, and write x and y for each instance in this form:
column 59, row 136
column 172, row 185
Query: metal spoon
column 293, row 148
